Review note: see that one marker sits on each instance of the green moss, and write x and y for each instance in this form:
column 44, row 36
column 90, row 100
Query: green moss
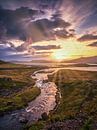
column 11, row 84
column 19, row 100
column 36, row 126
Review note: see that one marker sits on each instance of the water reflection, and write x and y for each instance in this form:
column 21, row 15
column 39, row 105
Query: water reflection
column 46, row 100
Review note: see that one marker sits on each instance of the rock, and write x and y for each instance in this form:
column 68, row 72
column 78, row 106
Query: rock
column 44, row 116
column 9, row 103
column 7, row 79
column 23, row 119
column 45, row 81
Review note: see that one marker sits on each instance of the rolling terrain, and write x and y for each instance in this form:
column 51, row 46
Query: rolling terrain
column 75, row 110
column 16, row 86
column 78, row 104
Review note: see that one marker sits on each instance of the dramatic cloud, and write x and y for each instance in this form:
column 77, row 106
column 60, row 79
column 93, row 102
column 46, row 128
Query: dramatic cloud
column 22, row 18
column 14, row 22
column 6, row 50
column 9, row 44
column 33, row 22
column 2, row 30
column 43, row 29
column 49, row 47
column 63, row 33
column 94, row 44
column 13, row 4
column 87, row 37
column 25, row 22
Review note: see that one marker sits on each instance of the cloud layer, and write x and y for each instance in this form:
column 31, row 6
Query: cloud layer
column 49, row 47
column 32, row 21
column 94, row 44
column 87, row 37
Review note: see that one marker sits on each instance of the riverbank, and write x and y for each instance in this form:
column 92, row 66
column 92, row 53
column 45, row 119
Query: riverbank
column 37, row 108
column 16, row 86
column 78, row 106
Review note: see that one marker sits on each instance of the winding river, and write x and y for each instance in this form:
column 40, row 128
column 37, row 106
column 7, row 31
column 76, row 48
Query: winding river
column 45, row 102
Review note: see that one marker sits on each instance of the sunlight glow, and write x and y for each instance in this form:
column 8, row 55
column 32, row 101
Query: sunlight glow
column 60, row 55
column 70, row 49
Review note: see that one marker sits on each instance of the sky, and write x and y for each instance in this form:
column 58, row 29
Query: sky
column 47, row 29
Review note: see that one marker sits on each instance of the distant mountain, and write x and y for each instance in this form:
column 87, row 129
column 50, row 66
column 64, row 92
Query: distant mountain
column 92, row 60
column 82, row 60
column 43, row 61
column 34, row 61
column 2, row 62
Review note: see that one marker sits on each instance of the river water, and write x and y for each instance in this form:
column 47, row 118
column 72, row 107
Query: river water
column 46, row 100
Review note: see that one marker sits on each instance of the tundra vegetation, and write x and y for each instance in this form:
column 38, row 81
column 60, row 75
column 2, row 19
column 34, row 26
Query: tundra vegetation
column 77, row 107
column 16, row 86
column 78, row 104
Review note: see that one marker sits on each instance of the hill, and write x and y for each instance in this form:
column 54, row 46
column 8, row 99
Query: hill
column 83, row 60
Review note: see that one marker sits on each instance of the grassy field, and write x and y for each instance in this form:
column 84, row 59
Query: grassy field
column 78, row 104
column 16, row 86
column 77, row 109
column 78, row 95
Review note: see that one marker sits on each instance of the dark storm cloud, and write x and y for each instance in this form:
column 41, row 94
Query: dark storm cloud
column 80, row 8
column 94, row 44
column 49, row 47
column 2, row 30
column 44, row 52
column 41, row 20
column 24, row 22
column 14, row 21
column 22, row 47
column 26, row 18
column 72, row 30
column 64, row 33
column 13, row 4
column 87, row 37
column 43, row 29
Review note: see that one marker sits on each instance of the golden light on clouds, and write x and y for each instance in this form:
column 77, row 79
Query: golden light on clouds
column 72, row 49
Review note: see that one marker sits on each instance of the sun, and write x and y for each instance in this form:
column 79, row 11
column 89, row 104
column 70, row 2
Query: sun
column 60, row 55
